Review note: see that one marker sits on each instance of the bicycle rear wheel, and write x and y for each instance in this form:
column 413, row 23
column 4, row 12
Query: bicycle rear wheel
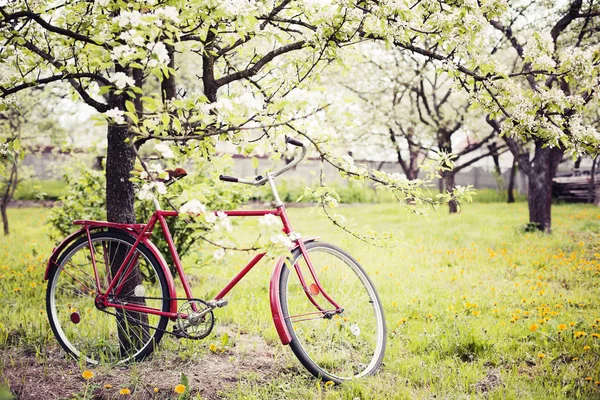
column 335, row 348
column 106, row 335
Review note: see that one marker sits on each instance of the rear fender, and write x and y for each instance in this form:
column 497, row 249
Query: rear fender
column 151, row 246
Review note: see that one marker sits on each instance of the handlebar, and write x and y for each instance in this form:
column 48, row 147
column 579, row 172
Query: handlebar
column 260, row 180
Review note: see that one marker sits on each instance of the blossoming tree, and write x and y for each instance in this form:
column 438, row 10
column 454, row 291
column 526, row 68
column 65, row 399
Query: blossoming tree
column 542, row 96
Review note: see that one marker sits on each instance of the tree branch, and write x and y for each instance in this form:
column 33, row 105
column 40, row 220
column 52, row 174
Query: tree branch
column 254, row 69
column 49, row 27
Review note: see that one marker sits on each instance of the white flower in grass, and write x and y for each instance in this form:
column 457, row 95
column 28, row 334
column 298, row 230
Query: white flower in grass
column 268, row 220
column 116, row 115
column 193, row 207
column 121, row 80
column 164, row 149
column 219, row 254
column 210, row 218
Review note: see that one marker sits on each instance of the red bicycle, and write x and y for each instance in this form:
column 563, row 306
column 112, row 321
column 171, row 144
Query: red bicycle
column 111, row 295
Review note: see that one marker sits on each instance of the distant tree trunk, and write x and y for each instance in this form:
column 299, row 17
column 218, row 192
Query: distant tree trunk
column 511, row 182
column 448, row 177
column 544, row 168
column 11, row 186
column 592, row 187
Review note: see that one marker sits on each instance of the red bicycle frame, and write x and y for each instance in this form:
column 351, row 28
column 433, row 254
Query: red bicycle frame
column 142, row 233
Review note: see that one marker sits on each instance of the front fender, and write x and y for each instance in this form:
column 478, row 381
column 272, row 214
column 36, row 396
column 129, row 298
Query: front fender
column 275, row 301
column 275, row 297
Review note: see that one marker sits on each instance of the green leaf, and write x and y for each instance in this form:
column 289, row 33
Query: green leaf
column 130, row 106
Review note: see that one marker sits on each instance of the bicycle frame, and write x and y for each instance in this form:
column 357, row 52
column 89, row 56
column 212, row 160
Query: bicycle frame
column 142, row 232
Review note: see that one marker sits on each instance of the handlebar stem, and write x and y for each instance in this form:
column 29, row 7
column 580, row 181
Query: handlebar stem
column 278, row 202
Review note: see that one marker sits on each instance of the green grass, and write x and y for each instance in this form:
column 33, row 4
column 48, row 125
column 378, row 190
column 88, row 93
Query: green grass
column 465, row 296
column 31, row 189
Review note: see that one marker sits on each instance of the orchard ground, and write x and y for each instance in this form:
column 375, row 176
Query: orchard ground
column 475, row 307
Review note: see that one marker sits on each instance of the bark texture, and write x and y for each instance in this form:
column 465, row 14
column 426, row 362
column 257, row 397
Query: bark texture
column 543, row 168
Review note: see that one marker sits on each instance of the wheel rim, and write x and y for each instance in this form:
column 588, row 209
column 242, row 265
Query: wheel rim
column 88, row 332
column 349, row 345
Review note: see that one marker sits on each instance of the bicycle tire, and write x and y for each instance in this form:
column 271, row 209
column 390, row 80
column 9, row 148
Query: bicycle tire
column 105, row 336
column 343, row 347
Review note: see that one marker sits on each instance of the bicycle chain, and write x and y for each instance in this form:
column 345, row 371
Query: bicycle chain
column 143, row 324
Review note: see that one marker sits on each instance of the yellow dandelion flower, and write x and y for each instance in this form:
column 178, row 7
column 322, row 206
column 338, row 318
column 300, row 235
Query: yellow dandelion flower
column 155, row 390
column 394, row 304
column 107, row 386
column 571, row 324
column 596, row 335
column 125, row 391
column 586, row 348
column 588, row 378
column 541, row 355
column 475, row 313
column 179, row 389
column 87, row 374
column 534, row 327
column 597, row 383
column 212, row 347
column 562, row 327
column 575, row 358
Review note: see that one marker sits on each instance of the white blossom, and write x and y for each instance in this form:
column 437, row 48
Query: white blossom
column 194, row 207
column 164, row 149
column 116, row 115
column 268, row 220
column 219, row 254
column 121, row 80
column 210, row 217
column 168, row 13
column 159, row 50
column 283, row 239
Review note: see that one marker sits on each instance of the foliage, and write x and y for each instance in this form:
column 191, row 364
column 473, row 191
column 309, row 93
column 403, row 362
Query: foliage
column 202, row 182
column 260, row 64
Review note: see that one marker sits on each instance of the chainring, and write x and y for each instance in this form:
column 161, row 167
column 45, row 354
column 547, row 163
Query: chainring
column 194, row 325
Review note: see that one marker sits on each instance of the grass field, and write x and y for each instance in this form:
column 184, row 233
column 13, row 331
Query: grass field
column 474, row 305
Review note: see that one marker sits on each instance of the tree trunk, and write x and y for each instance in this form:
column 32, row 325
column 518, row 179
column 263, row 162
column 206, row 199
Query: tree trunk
column 511, row 182
column 3, row 207
column 11, row 186
column 545, row 164
column 592, row 187
column 120, row 159
column 448, row 177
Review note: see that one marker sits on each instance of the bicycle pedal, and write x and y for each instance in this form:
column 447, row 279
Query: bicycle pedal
column 217, row 303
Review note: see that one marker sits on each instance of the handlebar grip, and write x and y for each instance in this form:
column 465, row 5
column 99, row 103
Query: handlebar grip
column 228, row 178
column 294, row 142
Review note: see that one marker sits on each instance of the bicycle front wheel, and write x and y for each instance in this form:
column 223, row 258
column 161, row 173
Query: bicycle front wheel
column 83, row 327
column 333, row 347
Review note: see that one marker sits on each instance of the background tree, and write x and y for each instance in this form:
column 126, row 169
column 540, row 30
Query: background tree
column 405, row 107
column 542, row 100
